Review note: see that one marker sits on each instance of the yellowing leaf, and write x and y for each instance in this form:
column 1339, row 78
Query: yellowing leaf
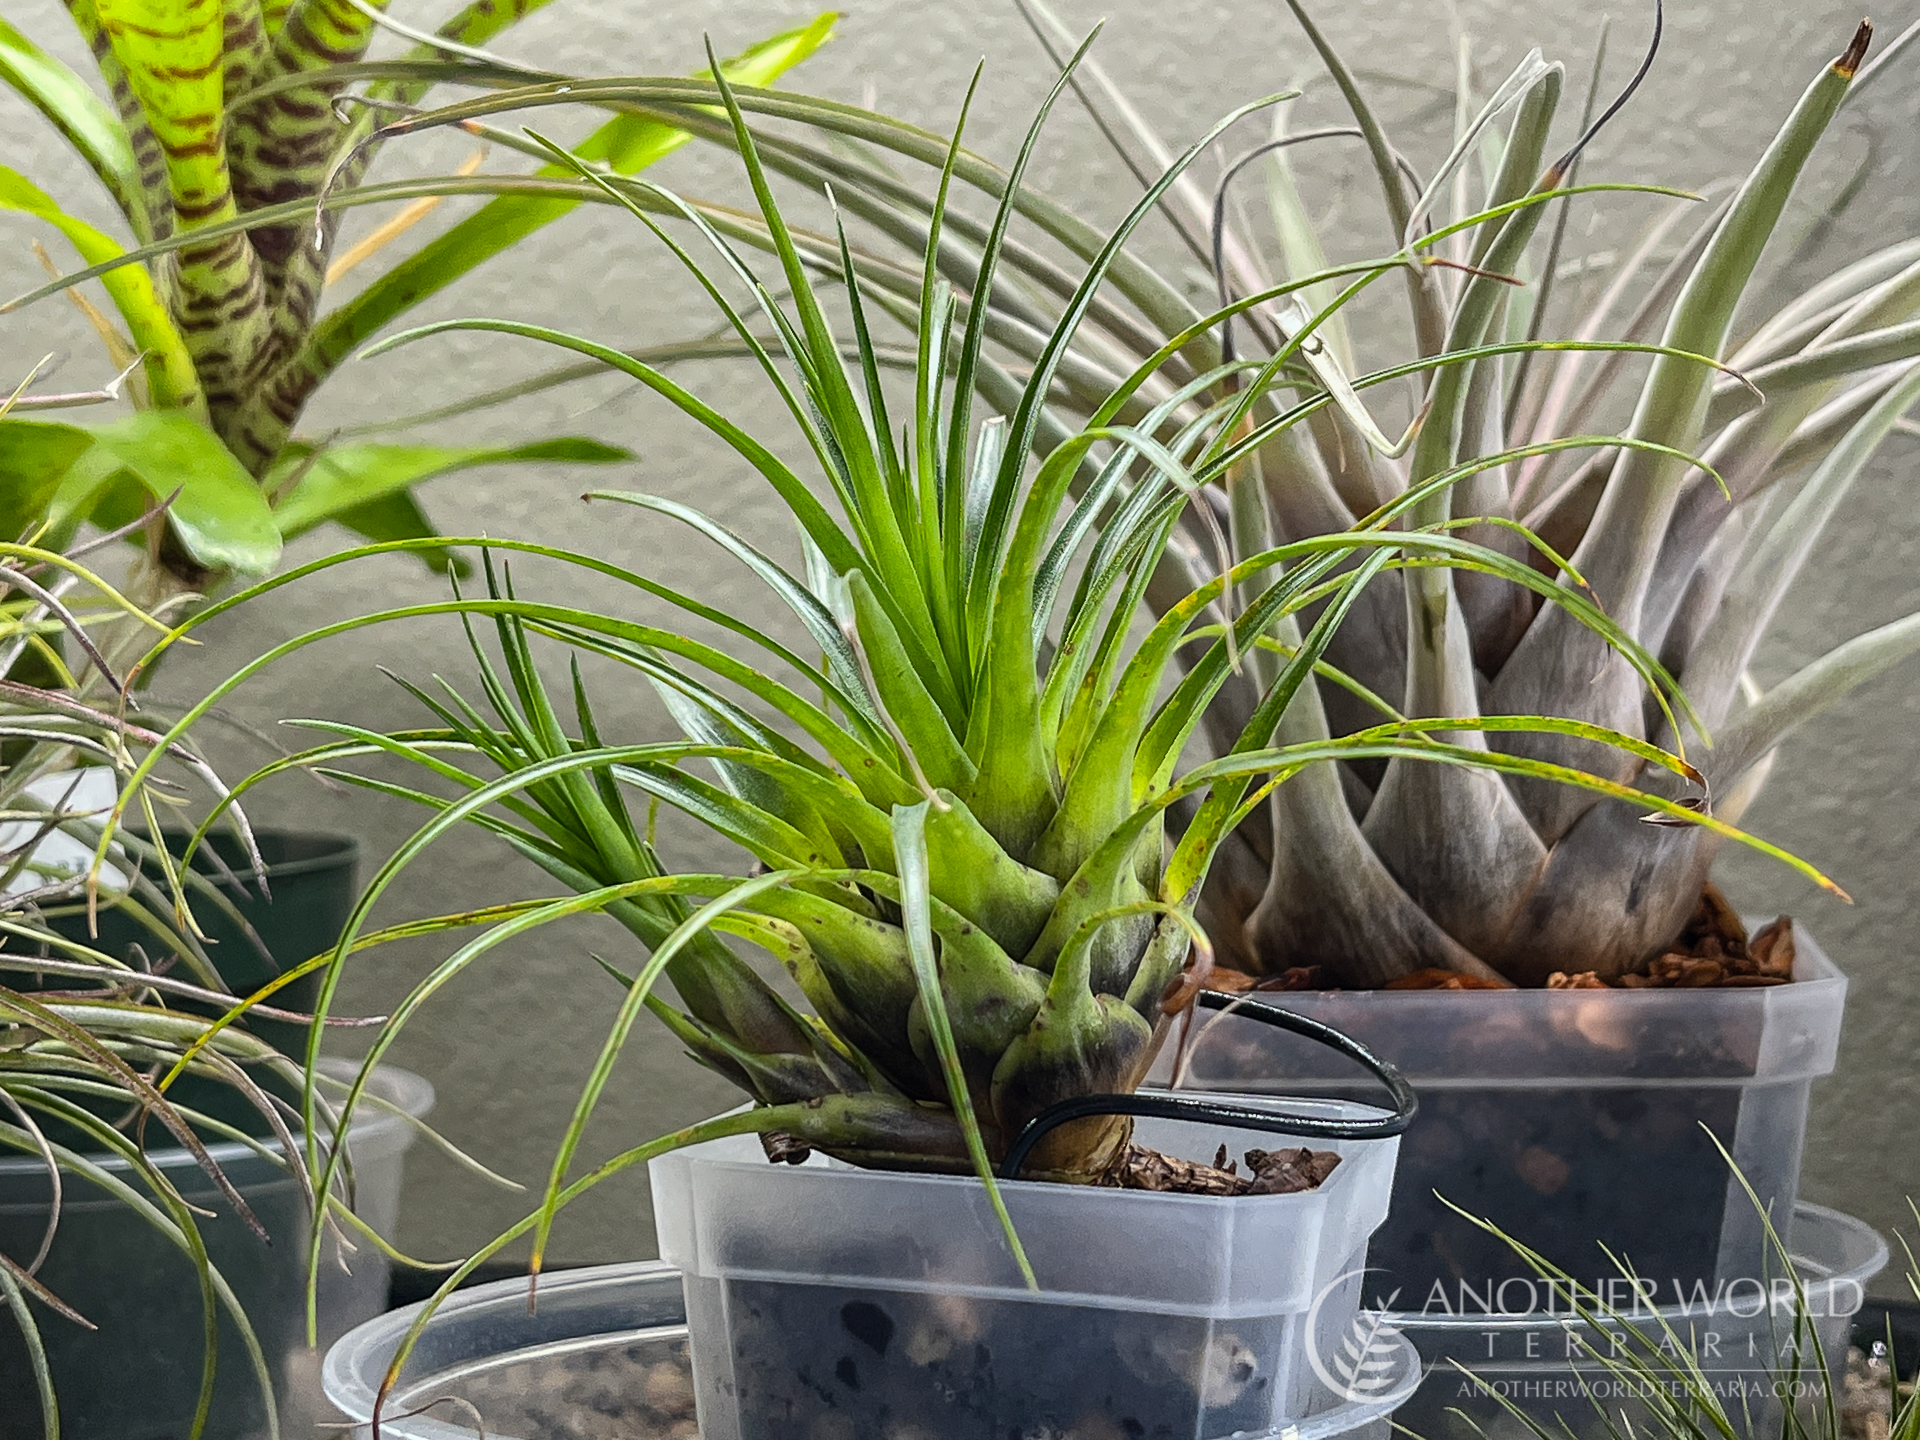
column 170, row 373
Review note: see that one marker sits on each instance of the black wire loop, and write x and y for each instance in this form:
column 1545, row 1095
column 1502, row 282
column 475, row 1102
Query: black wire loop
column 1217, row 1110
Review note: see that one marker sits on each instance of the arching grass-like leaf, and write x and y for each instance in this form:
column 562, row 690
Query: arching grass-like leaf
column 910, row 852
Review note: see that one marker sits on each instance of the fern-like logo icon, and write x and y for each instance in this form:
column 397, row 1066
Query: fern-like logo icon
column 1363, row 1359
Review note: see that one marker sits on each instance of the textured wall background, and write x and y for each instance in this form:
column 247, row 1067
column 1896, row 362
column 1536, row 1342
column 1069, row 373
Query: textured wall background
column 508, row 1045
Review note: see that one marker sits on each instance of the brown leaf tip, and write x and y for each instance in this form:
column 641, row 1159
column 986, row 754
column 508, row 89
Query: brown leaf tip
column 1855, row 52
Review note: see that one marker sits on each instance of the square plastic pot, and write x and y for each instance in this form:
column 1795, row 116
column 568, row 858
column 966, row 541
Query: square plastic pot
column 137, row 1376
column 1579, row 1121
column 883, row 1303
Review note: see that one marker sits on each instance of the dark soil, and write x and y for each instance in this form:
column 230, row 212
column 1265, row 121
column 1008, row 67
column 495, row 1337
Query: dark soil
column 1269, row 1172
column 1713, row 951
column 814, row 1362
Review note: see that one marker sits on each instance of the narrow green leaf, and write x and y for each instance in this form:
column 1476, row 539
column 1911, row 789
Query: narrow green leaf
column 1221, row 801
column 1082, row 677
column 868, row 769
column 1531, row 70
column 934, row 495
column 805, row 605
column 1754, row 732
column 1015, row 795
column 765, row 836
column 1672, row 403
column 982, row 288
column 625, row 144
column 988, row 452
column 400, row 517
column 36, row 1350
column 910, row 857
column 1774, row 561
column 296, row 212
column 1099, row 496
column 775, row 794
column 1025, row 422
column 1825, row 361
column 1300, row 250
column 1287, row 759
column 888, row 557
column 311, row 487
column 1429, row 316
column 810, row 513
column 925, row 728
column 630, row 1007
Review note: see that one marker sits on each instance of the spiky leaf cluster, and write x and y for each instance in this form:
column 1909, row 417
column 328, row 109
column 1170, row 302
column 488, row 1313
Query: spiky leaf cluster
column 1691, row 540
column 952, row 795
column 1377, row 867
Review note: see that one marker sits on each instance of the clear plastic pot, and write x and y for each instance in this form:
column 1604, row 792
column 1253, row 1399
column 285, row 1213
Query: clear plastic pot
column 605, row 1354
column 137, row 1376
column 1573, row 1119
column 893, row 1299
column 1741, row 1335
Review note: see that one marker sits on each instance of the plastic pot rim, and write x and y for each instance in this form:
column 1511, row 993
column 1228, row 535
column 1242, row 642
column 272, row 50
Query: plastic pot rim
column 342, row 850
column 1329, row 1189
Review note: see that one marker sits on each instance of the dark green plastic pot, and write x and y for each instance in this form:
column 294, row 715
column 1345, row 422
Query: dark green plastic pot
column 136, row 1378
column 311, row 881
column 310, row 877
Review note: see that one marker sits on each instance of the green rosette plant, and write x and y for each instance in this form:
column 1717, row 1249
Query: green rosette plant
column 1377, row 868
column 231, row 139
column 958, row 816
